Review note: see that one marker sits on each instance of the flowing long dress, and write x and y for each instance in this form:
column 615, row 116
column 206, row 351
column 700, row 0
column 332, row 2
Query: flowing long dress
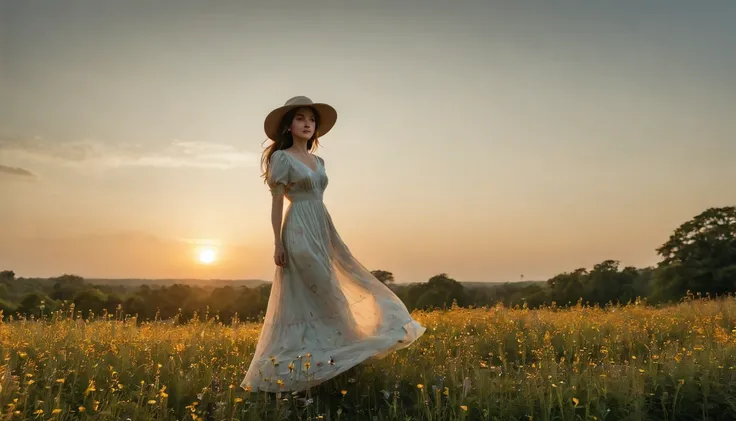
column 326, row 312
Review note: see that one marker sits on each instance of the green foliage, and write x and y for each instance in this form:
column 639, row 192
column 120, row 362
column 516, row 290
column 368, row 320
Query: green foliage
column 700, row 256
column 384, row 276
column 34, row 303
column 439, row 292
column 603, row 284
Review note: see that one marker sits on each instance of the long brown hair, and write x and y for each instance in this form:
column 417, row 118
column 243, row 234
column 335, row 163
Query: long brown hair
column 285, row 140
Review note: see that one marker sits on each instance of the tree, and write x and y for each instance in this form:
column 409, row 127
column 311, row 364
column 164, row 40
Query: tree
column 440, row 291
column 603, row 284
column 384, row 276
column 73, row 281
column 606, row 283
column 90, row 299
column 32, row 303
column 700, row 256
column 7, row 275
column 568, row 287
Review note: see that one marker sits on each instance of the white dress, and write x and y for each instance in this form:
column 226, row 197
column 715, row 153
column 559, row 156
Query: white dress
column 326, row 312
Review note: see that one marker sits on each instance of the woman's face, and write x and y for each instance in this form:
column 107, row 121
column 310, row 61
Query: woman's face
column 304, row 124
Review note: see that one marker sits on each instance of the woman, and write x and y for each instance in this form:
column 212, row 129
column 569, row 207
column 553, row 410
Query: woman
column 326, row 313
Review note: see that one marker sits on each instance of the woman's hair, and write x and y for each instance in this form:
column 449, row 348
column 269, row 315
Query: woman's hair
column 285, row 140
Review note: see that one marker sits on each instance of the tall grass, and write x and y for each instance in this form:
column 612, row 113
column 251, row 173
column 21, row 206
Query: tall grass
column 582, row 363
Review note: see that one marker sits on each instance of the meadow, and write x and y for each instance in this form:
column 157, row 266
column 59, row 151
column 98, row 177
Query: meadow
column 632, row 362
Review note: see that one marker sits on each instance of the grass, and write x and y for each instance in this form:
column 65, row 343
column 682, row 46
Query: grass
column 582, row 363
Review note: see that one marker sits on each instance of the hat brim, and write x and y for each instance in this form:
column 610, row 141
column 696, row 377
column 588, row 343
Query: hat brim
column 327, row 118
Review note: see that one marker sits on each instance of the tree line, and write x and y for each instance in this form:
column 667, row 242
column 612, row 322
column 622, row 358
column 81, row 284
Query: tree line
column 698, row 258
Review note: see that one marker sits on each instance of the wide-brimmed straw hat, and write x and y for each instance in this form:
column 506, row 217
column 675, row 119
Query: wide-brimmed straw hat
column 327, row 116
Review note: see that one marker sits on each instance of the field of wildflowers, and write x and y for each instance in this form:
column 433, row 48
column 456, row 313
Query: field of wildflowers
column 582, row 363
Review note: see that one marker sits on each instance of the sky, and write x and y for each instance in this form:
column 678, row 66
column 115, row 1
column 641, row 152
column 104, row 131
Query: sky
column 488, row 140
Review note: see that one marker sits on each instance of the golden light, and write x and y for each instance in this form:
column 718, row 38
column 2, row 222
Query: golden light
column 207, row 256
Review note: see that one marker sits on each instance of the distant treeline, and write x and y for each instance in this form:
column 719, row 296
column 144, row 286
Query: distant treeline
column 698, row 258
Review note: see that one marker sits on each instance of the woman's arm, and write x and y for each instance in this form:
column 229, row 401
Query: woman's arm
column 278, row 182
column 277, row 214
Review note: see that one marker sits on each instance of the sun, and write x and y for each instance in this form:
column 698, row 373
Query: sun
column 207, row 256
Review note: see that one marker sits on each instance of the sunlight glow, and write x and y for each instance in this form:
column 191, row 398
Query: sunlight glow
column 207, row 256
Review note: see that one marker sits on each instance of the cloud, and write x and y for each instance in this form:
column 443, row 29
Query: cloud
column 16, row 172
column 102, row 155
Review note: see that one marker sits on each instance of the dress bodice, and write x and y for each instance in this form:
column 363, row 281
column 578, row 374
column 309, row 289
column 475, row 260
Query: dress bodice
column 292, row 177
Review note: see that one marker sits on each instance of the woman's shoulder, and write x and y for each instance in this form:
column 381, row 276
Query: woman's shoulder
column 278, row 154
column 279, row 160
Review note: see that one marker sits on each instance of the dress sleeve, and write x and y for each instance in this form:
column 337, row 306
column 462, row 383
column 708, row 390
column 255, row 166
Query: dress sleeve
column 278, row 177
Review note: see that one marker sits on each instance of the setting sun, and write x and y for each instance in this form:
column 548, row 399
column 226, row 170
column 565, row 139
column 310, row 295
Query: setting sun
column 207, row 256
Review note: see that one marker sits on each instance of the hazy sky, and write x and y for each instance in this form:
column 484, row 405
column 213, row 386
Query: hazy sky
column 485, row 139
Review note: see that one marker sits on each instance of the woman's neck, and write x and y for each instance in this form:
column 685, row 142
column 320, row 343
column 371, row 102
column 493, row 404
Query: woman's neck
column 300, row 146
